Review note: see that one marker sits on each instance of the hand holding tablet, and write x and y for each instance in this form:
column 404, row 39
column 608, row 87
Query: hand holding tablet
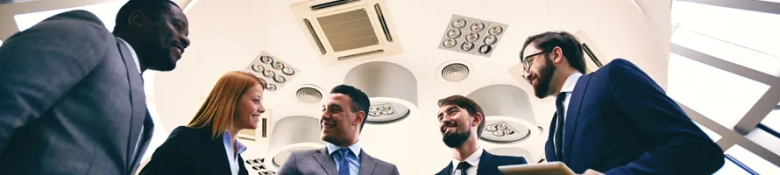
column 550, row 168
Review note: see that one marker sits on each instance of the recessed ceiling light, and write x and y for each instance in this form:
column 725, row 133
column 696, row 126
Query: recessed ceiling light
column 479, row 34
column 273, row 72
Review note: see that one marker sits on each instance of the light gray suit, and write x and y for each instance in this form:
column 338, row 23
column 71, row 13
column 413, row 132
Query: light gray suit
column 71, row 100
column 318, row 162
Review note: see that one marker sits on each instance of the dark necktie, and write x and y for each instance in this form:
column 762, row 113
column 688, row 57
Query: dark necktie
column 463, row 166
column 344, row 164
column 561, row 114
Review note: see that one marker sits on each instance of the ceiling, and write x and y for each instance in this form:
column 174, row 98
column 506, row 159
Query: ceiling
column 228, row 35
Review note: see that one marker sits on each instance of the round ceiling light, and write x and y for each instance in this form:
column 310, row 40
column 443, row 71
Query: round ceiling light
column 459, row 23
column 291, row 134
column 455, row 72
column 477, row 26
column 383, row 110
column 391, row 88
column 505, row 129
column 308, row 94
column 449, row 42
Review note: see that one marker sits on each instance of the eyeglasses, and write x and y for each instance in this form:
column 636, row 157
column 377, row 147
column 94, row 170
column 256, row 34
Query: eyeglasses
column 529, row 59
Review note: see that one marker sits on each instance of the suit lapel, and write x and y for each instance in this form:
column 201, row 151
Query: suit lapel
column 573, row 113
column 137, row 103
column 367, row 163
column 549, row 148
column 326, row 161
column 487, row 164
column 447, row 170
column 146, row 138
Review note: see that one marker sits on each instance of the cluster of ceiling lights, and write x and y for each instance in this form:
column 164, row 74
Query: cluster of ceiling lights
column 464, row 34
column 500, row 129
column 381, row 109
column 257, row 165
column 274, row 72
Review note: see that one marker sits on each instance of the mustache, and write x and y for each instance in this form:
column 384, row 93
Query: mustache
column 447, row 124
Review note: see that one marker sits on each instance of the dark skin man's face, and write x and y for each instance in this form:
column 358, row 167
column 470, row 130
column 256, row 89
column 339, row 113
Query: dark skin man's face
column 162, row 39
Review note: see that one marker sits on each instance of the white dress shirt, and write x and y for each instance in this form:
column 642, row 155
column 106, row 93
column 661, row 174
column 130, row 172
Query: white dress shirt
column 138, row 66
column 232, row 160
column 568, row 87
column 353, row 161
column 473, row 160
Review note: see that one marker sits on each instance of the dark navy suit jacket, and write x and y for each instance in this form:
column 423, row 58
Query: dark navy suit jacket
column 621, row 122
column 488, row 164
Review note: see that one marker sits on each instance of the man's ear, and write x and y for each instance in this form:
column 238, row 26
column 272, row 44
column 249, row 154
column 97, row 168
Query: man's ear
column 557, row 55
column 359, row 117
column 137, row 18
column 478, row 118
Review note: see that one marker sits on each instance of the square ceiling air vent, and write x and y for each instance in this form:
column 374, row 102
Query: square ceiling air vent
column 590, row 52
column 346, row 30
column 473, row 36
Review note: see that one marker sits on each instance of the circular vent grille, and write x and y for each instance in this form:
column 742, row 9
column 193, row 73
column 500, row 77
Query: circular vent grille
column 455, row 72
column 308, row 95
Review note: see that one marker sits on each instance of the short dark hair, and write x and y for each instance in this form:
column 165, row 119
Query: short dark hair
column 466, row 103
column 359, row 100
column 152, row 8
column 570, row 46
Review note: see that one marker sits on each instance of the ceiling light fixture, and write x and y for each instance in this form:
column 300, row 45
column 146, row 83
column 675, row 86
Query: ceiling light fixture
column 506, row 123
column 273, row 72
column 391, row 88
column 470, row 33
column 290, row 134
column 455, row 71
column 309, row 94
column 257, row 165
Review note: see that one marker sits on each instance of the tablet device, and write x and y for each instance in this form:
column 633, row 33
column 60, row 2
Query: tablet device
column 550, row 168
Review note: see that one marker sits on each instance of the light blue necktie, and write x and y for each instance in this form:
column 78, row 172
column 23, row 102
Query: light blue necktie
column 344, row 163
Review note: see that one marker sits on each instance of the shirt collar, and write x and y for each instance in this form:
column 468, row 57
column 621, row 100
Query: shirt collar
column 226, row 137
column 355, row 148
column 132, row 52
column 568, row 85
column 473, row 159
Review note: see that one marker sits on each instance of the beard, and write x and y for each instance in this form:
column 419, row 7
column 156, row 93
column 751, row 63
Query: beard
column 545, row 77
column 456, row 139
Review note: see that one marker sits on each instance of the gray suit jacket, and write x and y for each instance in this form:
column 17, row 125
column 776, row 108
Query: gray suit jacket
column 71, row 100
column 318, row 162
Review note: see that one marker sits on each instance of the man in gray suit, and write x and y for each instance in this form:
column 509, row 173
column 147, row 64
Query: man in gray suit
column 71, row 94
column 342, row 120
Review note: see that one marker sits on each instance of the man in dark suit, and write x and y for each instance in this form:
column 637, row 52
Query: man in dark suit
column 461, row 122
column 71, row 95
column 342, row 120
column 616, row 120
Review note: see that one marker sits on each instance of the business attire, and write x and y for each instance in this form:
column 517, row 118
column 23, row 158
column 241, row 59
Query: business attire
column 193, row 151
column 72, row 100
column 333, row 160
column 619, row 121
column 480, row 162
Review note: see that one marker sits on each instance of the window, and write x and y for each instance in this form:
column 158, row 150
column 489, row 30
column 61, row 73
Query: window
column 752, row 161
column 727, row 51
column 732, row 168
column 714, row 136
column 772, row 121
column 105, row 11
column 697, row 85
column 750, row 29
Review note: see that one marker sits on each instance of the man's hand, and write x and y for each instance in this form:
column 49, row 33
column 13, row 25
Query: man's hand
column 592, row 172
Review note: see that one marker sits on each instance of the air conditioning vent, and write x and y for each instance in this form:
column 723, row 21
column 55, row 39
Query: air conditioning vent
column 344, row 30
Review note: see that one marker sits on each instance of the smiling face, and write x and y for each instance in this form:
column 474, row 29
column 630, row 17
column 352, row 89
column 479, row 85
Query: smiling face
column 539, row 70
column 163, row 40
column 249, row 108
column 339, row 123
column 456, row 125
